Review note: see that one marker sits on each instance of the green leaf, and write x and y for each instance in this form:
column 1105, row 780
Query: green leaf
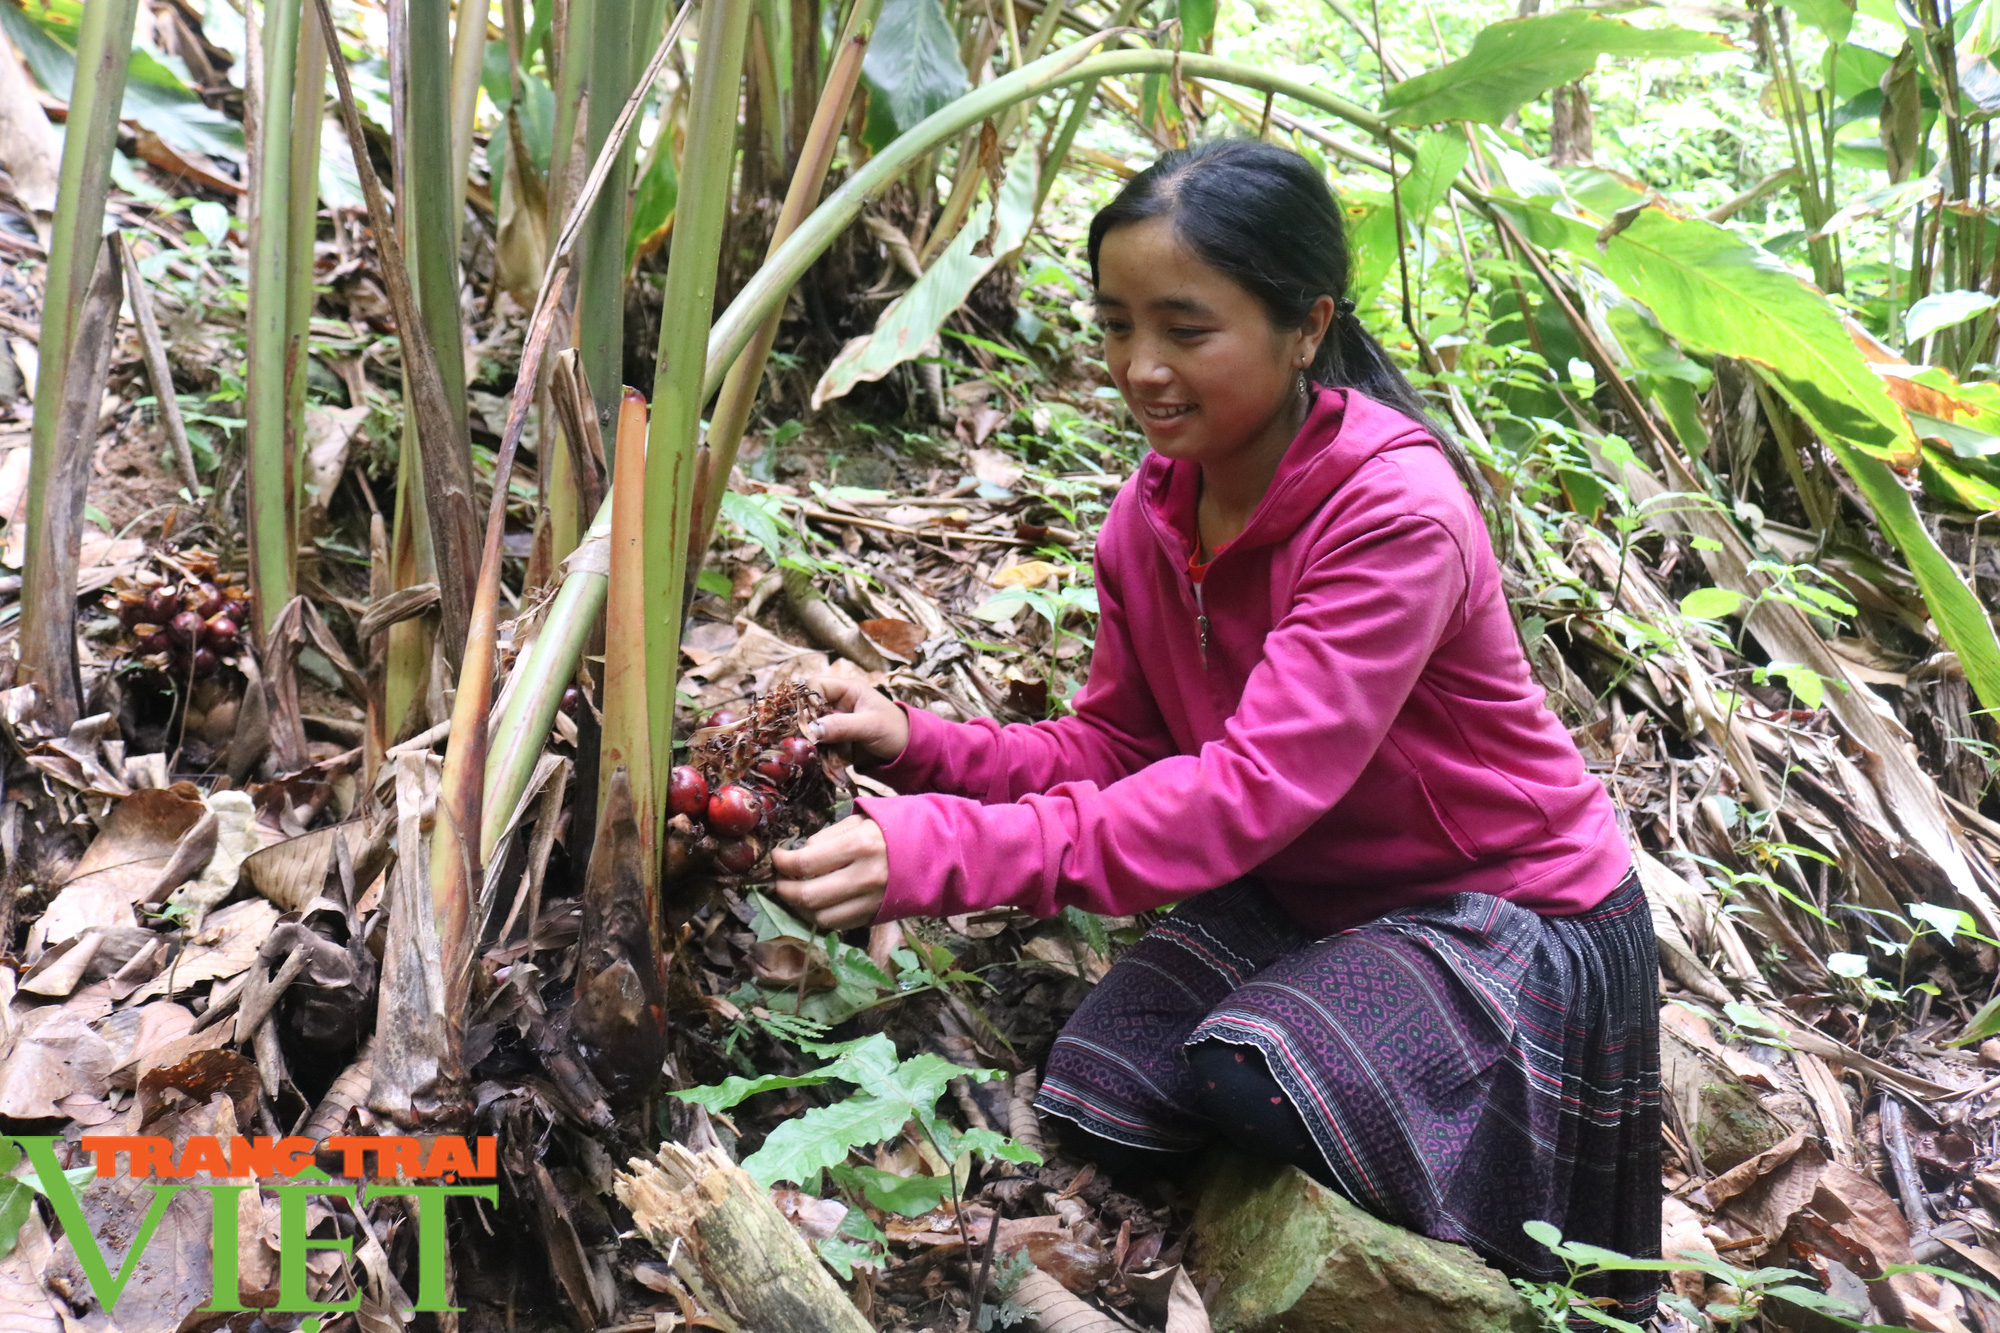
column 1847, row 964
column 212, row 220
column 1941, row 310
column 721, row 1096
column 912, row 67
column 1518, row 60
column 1197, row 22
column 1711, row 603
column 1946, row 921
column 1980, row 1026
column 1371, row 242
column 1441, row 156
column 16, row 1199
column 802, row 1147
column 1716, row 293
column 1835, row 18
column 1953, row 605
column 912, row 320
column 995, row 1146
column 155, row 97
column 653, row 200
column 843, row 1256
column 715, row 581
column 908, row 1196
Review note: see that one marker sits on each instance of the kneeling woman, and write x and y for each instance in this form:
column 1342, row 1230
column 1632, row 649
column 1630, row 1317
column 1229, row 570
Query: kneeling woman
column 1410, row 955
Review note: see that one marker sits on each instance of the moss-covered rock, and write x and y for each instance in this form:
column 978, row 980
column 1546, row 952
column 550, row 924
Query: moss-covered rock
column 1290, row 1256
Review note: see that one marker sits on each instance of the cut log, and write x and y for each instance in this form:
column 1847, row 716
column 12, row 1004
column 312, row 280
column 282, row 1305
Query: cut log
column 732, row 1246
column 1288, row 1255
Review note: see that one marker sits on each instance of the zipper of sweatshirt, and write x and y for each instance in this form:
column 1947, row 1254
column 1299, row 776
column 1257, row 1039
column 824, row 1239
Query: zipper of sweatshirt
column 1201, row 624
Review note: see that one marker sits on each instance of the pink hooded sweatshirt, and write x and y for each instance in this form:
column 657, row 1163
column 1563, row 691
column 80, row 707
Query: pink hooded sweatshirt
column 1341, row 709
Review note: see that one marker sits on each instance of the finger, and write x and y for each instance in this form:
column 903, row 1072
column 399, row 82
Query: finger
column 826, row 892
column 843, row 727
column 828, row 850
column 838, row 691
column 855, row 912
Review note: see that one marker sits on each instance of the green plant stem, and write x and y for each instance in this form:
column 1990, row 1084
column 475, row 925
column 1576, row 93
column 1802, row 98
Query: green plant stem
column 308, row 97
column 268, row 499
column 678, row 386
column 468, row 58
column 739, row 390
column 447, row 472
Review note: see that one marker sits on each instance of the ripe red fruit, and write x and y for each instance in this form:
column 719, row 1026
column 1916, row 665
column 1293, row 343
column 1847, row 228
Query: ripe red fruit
column 721, row 717
column 776, row 767
column 734, row 811
column 770, row 800
column 736, row 855
column 155, row 642
column 799, row 751
column 209, row 603
column 219, row 633
column 184, row 629
column 687, row 792
column 132, row 613
column 161, row 604
column 204, row 661
column 571, row 698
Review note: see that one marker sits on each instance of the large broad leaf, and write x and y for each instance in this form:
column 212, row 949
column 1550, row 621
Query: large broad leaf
column 156, row 98
column 914, row 318
column 1942, row 310
column 1717, row 293
column 912, row 67
column 1517, row 61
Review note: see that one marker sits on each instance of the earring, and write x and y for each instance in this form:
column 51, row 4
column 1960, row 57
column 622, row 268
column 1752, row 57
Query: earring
column 1302, row 384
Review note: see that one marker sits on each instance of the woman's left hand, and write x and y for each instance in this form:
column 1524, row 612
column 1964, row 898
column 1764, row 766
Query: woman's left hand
column 838, row 878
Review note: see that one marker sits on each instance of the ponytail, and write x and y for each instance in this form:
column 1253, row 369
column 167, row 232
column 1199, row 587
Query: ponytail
column 1265, row 217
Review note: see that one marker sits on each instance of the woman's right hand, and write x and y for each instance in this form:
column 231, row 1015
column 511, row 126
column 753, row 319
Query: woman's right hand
column 861, row 716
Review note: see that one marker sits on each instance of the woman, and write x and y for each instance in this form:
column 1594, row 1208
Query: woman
column 1410, row 956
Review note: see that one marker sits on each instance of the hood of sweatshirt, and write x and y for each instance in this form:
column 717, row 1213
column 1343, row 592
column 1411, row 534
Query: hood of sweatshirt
column 1343, row 429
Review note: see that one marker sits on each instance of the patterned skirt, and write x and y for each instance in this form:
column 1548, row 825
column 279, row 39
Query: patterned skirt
column 1465, row 1066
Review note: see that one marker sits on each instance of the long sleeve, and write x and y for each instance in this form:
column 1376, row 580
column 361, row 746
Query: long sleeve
column 1116, row 729
column 1374, row 599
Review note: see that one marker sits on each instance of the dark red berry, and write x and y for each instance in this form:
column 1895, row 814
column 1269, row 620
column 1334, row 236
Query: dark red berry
column 184, row 629
column 721, row 717
column 736, row 855
column 132, row 613
column 161, row 605
column 219, row 633
column 770, row 800
column 800, row 751
column 687, row 791
column 209, row 603
column 734, row 811
column 155, row 642
column 776, row 767
column 204, row 662
column 571, row 698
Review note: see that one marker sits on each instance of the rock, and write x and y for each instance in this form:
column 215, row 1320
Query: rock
column 1289, row 1255
column 1730, row 1122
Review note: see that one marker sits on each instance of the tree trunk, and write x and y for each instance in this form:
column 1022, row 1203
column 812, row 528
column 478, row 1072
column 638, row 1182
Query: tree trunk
column 732, row 1246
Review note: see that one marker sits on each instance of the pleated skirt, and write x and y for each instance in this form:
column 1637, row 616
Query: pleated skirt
column 1465, row 1067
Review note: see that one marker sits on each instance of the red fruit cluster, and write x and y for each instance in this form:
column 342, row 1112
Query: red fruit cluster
column 187, row 626
column 726, row 818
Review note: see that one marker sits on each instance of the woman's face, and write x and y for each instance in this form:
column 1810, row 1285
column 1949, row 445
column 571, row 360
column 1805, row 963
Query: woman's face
column 1196, row 356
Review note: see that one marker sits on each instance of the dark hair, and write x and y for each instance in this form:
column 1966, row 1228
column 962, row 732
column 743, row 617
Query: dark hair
column 1265, row 216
